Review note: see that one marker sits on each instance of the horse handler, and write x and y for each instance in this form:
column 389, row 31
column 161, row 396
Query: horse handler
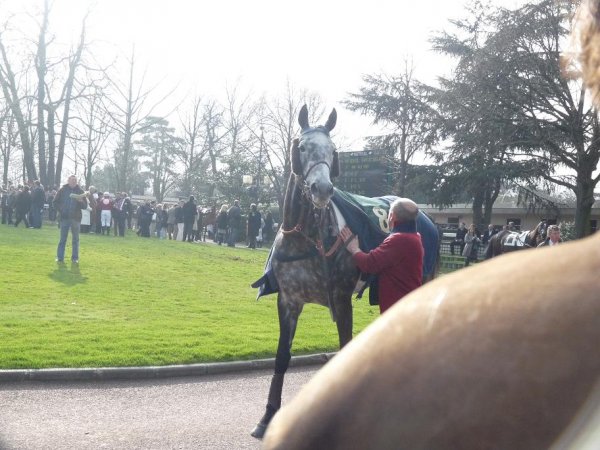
column 399, row 258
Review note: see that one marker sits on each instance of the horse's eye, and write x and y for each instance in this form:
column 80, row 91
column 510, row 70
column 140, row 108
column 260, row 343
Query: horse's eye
column 302, row 148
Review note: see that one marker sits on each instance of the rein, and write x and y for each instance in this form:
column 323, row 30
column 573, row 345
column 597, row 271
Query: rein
column 316, row 243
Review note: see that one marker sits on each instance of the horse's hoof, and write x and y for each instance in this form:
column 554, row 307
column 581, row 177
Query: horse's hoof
column 259, row 431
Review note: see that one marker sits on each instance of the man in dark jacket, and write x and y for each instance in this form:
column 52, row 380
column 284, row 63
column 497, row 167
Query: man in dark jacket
column 487, row 235
column 234, row 218
column 4, row 203
column 254, row 222
column 121, row 211
column 189, row 216
column 22, row 206
column 38, row 199
column 68, row 202
column 459, row 239
column 145, row 213
column 11, row 203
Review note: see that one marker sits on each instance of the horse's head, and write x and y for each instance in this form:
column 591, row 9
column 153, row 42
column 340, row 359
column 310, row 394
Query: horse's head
column 314, row 158
column 538, row 234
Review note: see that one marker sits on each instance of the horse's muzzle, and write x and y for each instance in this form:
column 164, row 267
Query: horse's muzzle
column 320, row 193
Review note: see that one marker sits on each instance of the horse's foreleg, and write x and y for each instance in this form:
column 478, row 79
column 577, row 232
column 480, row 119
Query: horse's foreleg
column 344, row 321
column 288, row 320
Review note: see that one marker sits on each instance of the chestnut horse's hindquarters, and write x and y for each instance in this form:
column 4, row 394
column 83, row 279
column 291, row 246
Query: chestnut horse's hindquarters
column 488, row 357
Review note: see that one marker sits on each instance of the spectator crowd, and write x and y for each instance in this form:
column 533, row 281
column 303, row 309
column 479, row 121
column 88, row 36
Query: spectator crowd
column 109, row 214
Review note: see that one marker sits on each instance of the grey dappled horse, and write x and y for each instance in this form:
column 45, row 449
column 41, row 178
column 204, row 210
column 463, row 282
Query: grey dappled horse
column 307, row 271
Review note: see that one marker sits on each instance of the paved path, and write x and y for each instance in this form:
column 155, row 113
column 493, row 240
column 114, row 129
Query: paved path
column 207, row 412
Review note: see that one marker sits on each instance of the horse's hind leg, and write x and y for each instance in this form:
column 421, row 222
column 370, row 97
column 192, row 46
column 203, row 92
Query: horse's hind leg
column 288, row 319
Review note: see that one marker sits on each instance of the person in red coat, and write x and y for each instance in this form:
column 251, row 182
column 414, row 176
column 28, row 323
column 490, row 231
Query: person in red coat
column 398, row 261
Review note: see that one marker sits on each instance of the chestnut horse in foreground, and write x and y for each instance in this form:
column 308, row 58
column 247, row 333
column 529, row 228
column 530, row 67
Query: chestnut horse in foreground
column 491, row 357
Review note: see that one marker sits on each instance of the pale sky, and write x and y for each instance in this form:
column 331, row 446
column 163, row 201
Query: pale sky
column 321, row 45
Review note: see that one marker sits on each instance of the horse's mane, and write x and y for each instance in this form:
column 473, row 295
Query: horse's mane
column 291, row 203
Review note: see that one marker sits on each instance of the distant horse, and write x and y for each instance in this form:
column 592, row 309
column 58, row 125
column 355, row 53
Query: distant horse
column 308, row 259
column 508, row 241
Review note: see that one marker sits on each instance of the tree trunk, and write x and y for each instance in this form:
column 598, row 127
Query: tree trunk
column 41, row 68
column 127, row 135
column 73, row 64
column 401, row 183
column 491, row 194
column 478, row 200
column 51, row 147
column 585, row 201
column 9, row 89
column 7, row 151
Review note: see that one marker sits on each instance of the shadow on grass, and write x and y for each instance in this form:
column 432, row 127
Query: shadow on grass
column 68, row 275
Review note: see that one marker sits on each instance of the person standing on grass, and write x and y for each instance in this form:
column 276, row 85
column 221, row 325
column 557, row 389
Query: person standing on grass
column 254, row 224
column 234, row 219
column 472, row 241
column 222, row 222
column 12, row 204
column 161, row 221
column 69, row 201
column 92, row 196
column 22, row 206
column 170, row 220
column 38, row 199
column 179, row 221
column 200, row 234
column 189, row 217
column 146, row 213
column 105, row 207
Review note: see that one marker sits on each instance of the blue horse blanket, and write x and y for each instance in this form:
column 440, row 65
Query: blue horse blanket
column 367, row 218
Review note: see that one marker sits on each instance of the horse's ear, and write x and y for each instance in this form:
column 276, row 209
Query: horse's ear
column 331, row 121
column 295, row 157
column 335, row 166
column 303, row 118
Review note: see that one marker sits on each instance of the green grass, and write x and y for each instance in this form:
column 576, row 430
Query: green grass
column 136, row 301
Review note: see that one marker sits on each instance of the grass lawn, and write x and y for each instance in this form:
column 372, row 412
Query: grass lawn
column 137, row 301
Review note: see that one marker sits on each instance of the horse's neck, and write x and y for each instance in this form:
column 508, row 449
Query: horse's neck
column 533, row 234
column 298, row 211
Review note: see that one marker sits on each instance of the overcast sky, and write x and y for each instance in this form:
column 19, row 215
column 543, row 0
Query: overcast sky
column 321, row 45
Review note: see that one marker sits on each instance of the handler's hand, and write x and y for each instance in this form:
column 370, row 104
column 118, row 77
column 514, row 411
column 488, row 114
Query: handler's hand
column 349, row 240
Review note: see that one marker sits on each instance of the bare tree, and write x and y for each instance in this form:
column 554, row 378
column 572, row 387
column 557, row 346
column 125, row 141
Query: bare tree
column 8, row 137
column 239, row 157
column 10, row 89
column 213, row 136
column 41, row 70
column 66, row 98
column 128, row 112
column 279, row 120
column 192, row 153
column 90, row 128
